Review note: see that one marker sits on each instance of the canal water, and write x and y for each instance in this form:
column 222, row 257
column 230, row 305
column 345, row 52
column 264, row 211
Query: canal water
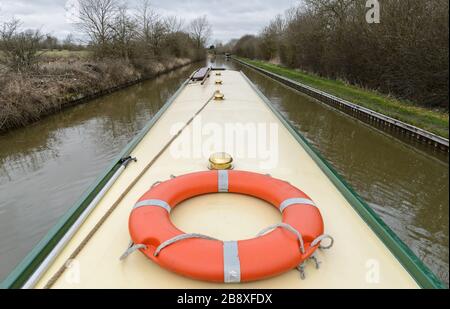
column 45, row 168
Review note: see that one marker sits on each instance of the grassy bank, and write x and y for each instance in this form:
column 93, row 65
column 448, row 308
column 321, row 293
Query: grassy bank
column 65, row 76
column 435, row 121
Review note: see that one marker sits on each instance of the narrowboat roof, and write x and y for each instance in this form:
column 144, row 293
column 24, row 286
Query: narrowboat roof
column 366, row 254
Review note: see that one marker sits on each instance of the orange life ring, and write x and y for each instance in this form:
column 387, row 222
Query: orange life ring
column 263, row 257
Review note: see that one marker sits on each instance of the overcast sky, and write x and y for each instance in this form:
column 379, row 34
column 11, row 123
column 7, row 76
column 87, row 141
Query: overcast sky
column 229, row 18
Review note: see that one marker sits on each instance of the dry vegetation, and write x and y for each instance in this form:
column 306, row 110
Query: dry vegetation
column 39, row 75
column 25, row 97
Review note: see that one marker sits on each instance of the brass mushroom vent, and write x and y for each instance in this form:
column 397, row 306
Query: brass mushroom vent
column 219, row 96
column 221, row 161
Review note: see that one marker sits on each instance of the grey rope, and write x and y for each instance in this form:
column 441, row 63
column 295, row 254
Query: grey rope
column 316, row 260
column 180, row 238
column 156, row 184
column 290, row 229
column 160, row 182
column 301, row 269
column 319, row 240
column 133, row 248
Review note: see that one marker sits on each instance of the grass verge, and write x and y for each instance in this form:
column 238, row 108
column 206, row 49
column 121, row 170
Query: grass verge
column 435, row 121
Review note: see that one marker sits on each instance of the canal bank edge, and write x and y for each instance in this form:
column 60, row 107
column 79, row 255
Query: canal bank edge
column 424, row 277
column 84, row 98
column 387, row 124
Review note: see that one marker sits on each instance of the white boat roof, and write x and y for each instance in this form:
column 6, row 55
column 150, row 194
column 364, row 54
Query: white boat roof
column 359, row 259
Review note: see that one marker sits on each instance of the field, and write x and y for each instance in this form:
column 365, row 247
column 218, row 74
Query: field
column 66, row 53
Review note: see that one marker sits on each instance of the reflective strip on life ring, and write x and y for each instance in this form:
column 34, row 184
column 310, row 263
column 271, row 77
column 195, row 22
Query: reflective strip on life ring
column 231, row 262
column 154, row 203
column 223, row 181
column 295, row 201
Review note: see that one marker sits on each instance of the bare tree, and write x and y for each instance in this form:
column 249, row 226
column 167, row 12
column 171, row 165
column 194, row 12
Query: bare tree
column 145, row 18
column 173, row 24
column 161, row 37
column 124, row 31
column 50, row 42
column 271, row 37
column 405, row 55
column 200, row 30
column 153, row 29
column 20, row 49
column 69, row 42
column 9, row 29
column 248, row 46
column 96, row 20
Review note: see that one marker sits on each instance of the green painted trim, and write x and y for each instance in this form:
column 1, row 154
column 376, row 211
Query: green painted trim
column 26, row 268
column 416, row 268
